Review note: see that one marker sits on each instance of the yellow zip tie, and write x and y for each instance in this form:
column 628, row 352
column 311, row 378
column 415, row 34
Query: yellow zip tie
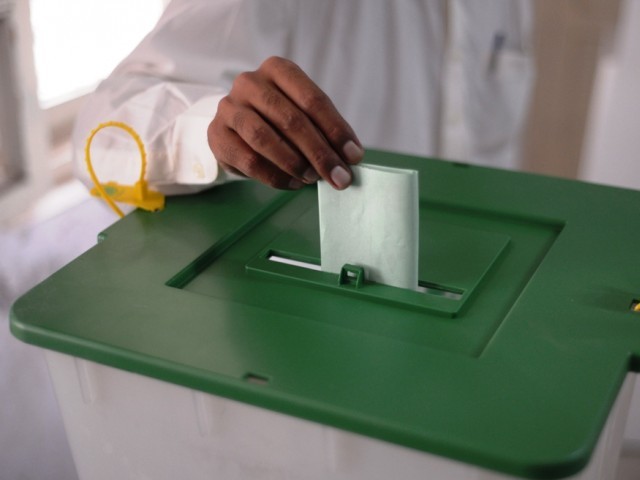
column 138, row 194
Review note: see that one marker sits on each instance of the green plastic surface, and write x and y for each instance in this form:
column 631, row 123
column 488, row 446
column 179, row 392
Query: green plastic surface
column 511, row 360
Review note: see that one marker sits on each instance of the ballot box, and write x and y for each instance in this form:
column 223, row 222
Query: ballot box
column 181, row 345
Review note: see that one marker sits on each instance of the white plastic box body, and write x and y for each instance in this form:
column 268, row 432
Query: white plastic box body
column 122, row 425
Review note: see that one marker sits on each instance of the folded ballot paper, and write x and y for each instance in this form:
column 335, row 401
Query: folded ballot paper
column 372, row 224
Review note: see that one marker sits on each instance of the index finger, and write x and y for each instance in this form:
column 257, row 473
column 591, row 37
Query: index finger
column 317, row 105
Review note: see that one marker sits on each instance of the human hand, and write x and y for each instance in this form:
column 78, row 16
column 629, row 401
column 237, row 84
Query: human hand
column 280, row 128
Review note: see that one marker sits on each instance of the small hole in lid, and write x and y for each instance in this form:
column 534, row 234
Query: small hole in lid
column 256, row 379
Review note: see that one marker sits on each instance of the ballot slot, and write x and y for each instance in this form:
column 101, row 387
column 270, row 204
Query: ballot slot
column 435, row 289
column 427, row 288
column 295, row 263
column 290, row 266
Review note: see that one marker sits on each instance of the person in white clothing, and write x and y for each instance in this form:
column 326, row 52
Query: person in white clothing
column 290, row 91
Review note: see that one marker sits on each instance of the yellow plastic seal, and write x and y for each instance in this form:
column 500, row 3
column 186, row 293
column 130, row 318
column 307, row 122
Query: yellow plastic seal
column 137, row 194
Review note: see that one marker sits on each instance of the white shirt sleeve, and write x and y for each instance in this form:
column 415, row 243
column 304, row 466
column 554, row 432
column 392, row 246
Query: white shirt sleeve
column 168, row 91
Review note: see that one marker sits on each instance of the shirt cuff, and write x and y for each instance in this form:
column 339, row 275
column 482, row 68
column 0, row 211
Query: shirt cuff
column 194, row 163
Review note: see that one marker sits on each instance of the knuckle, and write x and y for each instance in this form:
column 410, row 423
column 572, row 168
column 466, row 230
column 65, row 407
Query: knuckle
column 243, row 80
column 293, row 165
column 293, row 121
column 224, row 106
column 251, row 164
column 273, row 63
column 335, row 133
column 238, row 122
column 260, row 135
column 272, row 98
column 322, row 156
column 314, row 101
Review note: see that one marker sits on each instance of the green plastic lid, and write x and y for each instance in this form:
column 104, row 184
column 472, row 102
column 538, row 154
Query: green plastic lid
column 510, row 359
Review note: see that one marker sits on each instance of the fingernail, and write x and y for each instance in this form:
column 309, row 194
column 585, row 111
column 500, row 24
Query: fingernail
column 353, row 152
column 295, row 184
column 310, row 176
column 340, row 177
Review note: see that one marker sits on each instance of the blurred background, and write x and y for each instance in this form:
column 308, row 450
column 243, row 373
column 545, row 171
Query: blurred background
column 584, row 123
